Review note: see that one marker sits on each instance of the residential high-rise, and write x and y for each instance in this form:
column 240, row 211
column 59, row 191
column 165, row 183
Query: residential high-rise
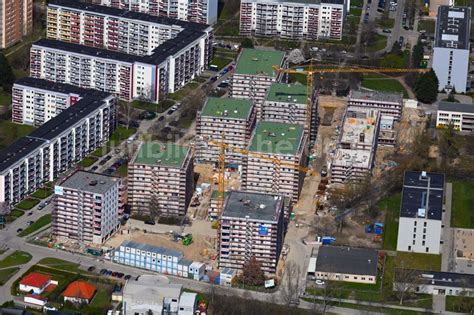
column 276, row 150
column 16, row 21
column 161, row 179
column 293, row 19
column 87, row 208
column 452, row 48
column 254, row 74
column 224, row 119
column 199, row 11
column 252, row 225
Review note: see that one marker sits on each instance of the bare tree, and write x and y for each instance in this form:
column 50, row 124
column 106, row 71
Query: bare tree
column 405, row 278
column 127, row 110
column 291, row 283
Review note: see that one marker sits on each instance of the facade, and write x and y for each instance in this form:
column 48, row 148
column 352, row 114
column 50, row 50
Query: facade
column 356, row 147
column 289, row 19
column 286, row 103
column 16, row 21
column 461, row 116
column 88, row 207
column 451, row 48
column 36, row 101
column 227, row 120
column 187, row 303
column 54, row 148
column 347, row 264
column 79, row 292
column 35, row 282
column 252, row 225
column 276, row 159
column 161, row 179
column 254, row 74
column 199, row 11
column 388, row 104
column 421, row 212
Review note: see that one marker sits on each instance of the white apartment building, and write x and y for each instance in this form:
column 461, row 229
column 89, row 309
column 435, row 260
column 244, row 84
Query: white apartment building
column 161, row 179
column 275, row 162
column 199, row 11
column 87, row 208
column 252, row 225
column 461, row 116
column 293, row 19
column 36, row 101
column 357, row 144
column 254, row 74
column 420, row 223
column 388, row 104
column 451, row 48
column 286, row 103
column 54, row 148
column 227, row 120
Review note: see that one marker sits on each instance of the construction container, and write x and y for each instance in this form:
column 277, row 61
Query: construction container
column 215, row 277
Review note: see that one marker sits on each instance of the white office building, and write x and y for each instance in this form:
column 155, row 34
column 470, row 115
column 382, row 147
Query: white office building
column 461, row 116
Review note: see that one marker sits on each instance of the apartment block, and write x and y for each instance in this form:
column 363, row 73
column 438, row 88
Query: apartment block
column 276, row 155
column 16, row 21
column 452, row 48
column 229, row 120
column 254, row 74
column 421, row 212
column 388, row 104
column 36, row 101
column 286, row 103
column 87, row 208
column 161, row 179
column 357, row 144
column 54, row 148
column 199, row 11
column 301, row 19
column 252, row 225
column 460, row 115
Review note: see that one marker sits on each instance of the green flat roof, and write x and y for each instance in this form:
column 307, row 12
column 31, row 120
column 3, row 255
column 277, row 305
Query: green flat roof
column 158, row 153
column 233, row 107
column 279, row 138
column 290, row 93
column 254, row 62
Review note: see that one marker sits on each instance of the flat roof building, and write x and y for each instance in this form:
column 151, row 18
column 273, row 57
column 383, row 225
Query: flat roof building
column 252, row 225
column 347, row 264
column 161, row 179
column 421, row 211
column 389, row 104
column 460, row 115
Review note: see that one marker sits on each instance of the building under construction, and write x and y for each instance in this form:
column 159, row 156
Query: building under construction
column 252, row 225
column 160, row 179
column 275, row 160
column 229, row 120
column 389, row 104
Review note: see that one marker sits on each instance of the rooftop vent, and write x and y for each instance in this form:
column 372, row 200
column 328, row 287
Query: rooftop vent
column 262, row 206
column 93, row 183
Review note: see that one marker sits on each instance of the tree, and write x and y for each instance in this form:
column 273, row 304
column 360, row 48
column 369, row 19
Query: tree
column 252, row 273
column 393, row 61
column 448, row 144
column 426, row 88
column 405, row 278
column 451, row 96
column 246, row 43
column 290, row 286
column 149, row 312
column 6, row 74
column 127, row 110
column 417, row 54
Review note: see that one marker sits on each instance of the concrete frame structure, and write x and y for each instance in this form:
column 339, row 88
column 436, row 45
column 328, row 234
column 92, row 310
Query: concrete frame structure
column 55, row 147
column 389, row 104
column 270, row 142
column 36, row 101
column 420, row 223
column 291, row 19
column 16, row 21
column 452, row 48
column 464, row 250
column 199, row 11
column 254, row 74
column 458, row 114
column 252, row 225
column 357, row 144
column 87, row 208
column 224, row 119
column 161, row 179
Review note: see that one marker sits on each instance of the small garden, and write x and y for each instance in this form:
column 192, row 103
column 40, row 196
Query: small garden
column 16, row 258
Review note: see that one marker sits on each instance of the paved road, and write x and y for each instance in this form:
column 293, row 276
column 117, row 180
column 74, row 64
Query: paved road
column 397, row 28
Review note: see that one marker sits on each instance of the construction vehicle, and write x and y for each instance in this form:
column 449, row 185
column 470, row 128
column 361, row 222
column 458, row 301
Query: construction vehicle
column 376, row 228
column 187, row 239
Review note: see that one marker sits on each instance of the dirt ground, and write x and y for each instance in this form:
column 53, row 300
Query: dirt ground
column 412, row 123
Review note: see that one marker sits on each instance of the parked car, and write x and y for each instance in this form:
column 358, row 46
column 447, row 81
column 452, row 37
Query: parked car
column 148, row 115
column 30, row 222
column 324, row 171
column 134, row 124
column 161, row 118
column 114, row 273
column 94, row 168
column 223, row 85
column 213, row 79
column 31, row 212
column 19, row 230
column 387, row 30
column 319, row 282
column 150, row 222
column 103, row 271
column 127, row 277
column 120, row 275
column 91, row 268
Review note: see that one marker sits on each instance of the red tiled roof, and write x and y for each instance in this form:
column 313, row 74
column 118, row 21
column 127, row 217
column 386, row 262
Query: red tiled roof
column 80, row 289
column 37, row 297
column 35, row 280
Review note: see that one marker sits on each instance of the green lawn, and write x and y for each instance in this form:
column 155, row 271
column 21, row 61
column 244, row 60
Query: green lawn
column 462, row 214
column 385, row 23
column 220, row 62
column 17, row 213
column 391, row 206
column 88, row 161
column 59, row 264
column 120, row 134
column 379, row 43
column 427, row 25
column 357, row 3
column 5, row 99
column 355, row 11
column 42, row 193
column 459, row 304
column 152, row 107
column 27, row 204
column 40, row 223
column 122, row 171
column 9, row 132
column 101, row 298
column 384, row 84
column 15, row 259
column 6, row 274
column 420, row 261
column 181, row 93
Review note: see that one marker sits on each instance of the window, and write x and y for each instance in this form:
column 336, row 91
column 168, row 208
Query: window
column 427, row 249
column 409, row 248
